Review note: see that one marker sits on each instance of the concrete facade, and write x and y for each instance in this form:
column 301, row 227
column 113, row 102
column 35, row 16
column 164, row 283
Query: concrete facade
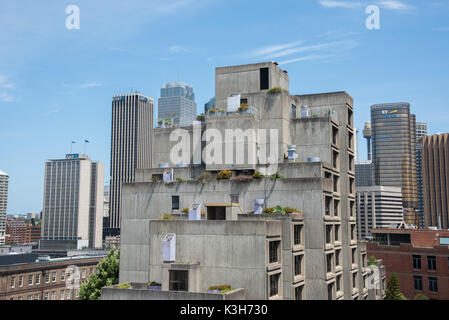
column 320, row 182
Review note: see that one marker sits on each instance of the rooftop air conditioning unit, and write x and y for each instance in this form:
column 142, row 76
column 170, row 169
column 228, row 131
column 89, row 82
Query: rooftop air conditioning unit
column 169, row 248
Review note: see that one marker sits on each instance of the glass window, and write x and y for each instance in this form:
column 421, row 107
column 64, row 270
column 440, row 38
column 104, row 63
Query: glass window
column 433, row 284
column 431, row 263
column 178, row 280
column 417, row 282
column 417, row 262
column 274, row 284
column 273, row 251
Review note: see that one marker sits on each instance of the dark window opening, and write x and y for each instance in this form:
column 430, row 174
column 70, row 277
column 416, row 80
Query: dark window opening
column 417, row 282
column 273, row 251
column 264, row 83
column 297, row 229
column 178, row 280
column 216, row 213
column 274, row 284
column 417, row 262
column 175, row 202
column 298, row 293
column 298, row 261
column 431, row 263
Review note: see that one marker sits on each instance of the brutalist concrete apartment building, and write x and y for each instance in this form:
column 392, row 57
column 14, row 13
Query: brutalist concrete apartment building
column 310, row 252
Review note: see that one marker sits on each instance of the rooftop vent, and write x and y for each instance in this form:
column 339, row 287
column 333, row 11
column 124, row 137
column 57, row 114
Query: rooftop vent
column 195, row 212
column 258, row 203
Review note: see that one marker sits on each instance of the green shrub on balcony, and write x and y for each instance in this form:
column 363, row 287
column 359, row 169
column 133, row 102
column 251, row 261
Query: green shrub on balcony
column 276, row 90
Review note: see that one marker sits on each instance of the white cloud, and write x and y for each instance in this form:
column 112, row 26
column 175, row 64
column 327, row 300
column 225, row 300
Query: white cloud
column 92, row 84
column 306, row 58
column 338, row 4
column 394, row 5
column 5, row 87
column 178, row 49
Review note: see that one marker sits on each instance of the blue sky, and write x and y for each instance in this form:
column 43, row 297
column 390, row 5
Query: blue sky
column 56, row 84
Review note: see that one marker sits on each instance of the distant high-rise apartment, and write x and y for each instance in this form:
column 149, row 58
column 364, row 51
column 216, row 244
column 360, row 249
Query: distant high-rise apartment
column 377, row 207
column 131, row 143
column 421, row 131
column 177, row 103
column 3, row 204
column 394, row 152
column 435, row 171
column 364, row 174
column 72, row 214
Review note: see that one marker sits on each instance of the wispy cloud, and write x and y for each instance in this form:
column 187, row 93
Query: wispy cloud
column 442, row 29
column 339, row 4
column 398, row 5
column 87, row 85
column 5, row 87
column 318, row 51
column 178, row 49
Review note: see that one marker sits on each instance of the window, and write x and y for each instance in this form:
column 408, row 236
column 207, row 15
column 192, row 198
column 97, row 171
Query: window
column 36, row 296
column 327, row 205
column 53, row 276
column 433, row 284
column 274, row 284
column 354, row 255
column 46, row 296
column 330, row 291
column 417, row 262
column 83, row 273
column 297, row 229
column 328, row 234
column 47, row 277
column 334, row 135
column 175, row 202
column 91, row 270
column 76, row 293
column 351, row 185
column 53, row 295
column 30, row 280
column 13, row 282
column 350, row 140
column 431, row 263
column 352, row 232
column 351, row 163
column 338, row 283
column 417, row 282
column 337, row 232
column 264, row 83
column 21, row 281
column 298, row 292
column 337, row 257
column 178, row 280
column 30, row 297
column 298, row 262
column 61, row 294
column 329, row 258
column 354, row 280
column 293, row 111
column 335, row 183
column 63, row 275
column 351, row 208
column 273, row 251
column 350, row 117
column 335, row 159
column 68, row 294
column 336, row 207
column 38, row 278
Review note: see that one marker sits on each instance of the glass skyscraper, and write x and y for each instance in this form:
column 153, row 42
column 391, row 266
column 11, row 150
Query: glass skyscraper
column 394, row 152
column 177, row 103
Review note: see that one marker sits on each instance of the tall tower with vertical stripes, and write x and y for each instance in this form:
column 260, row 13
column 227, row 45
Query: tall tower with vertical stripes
column 131, row 146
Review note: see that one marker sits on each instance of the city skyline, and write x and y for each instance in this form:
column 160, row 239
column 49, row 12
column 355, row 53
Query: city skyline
column 45, row 97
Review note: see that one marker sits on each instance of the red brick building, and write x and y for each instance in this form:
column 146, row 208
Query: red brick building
column 419, row 257
column 20, row 232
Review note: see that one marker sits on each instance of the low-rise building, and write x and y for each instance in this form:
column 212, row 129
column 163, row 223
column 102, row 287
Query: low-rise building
column 33, row 277
column 419, row 257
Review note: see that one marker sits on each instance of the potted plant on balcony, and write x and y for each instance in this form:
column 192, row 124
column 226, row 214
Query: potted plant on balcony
column 216, row 111
column 224, row 175
column 201, row 117
column 160, row 122
column 218, row 289
column 244, row 109
column 152, row 285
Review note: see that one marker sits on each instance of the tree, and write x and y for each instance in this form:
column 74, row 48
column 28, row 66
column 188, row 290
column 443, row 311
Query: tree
column 372, row 261
column 107, row 275
column 393, row 291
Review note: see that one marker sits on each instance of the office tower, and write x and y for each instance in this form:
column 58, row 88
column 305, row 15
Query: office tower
column 310, row 253
column 209, row 105
column 364, row 174
column 421, row 131
column 131, row 143
column 367, row 136
column 378, row 207
column 394, row 152
column 177, row 103
column 73, row 203
column 3, row 204
column 435, row 167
